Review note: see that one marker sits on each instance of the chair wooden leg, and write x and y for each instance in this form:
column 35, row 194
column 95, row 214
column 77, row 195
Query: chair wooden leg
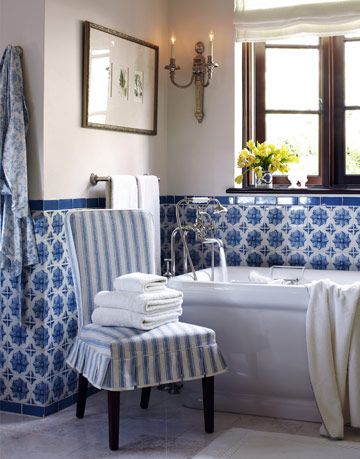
column 208, row 400
column 81, row 400
column 145, row 397
column 114, row 419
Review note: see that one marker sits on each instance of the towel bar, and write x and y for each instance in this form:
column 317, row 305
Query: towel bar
column 94, row 178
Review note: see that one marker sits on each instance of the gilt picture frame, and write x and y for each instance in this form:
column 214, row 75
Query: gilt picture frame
column 120, row 81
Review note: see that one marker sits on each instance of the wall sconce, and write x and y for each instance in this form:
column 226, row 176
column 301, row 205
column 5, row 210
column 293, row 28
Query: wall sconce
column 202, row 72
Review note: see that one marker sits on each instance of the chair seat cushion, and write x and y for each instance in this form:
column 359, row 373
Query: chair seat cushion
column 119, row 358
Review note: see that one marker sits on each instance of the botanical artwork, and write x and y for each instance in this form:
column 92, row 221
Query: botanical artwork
column 138, row 86
column 120, row 81
column 124, row 83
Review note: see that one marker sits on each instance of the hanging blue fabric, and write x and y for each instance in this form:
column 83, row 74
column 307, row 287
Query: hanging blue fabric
column 17, row 239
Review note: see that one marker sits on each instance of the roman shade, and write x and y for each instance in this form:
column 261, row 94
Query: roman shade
column 261, row 20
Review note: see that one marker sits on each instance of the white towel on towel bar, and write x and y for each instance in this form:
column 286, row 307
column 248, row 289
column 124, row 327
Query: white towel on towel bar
column 122, row 192
column 140, row 282
column 142, row 303
column 115, row 317
column 149, row 199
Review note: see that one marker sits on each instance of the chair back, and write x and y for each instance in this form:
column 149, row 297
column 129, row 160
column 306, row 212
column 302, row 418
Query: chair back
column 104, row 244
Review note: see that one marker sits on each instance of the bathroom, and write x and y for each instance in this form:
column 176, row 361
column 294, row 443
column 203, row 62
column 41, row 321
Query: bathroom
column 261, row 228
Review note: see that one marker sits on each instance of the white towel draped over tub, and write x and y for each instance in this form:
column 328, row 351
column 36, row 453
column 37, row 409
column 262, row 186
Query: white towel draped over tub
column 333, row 344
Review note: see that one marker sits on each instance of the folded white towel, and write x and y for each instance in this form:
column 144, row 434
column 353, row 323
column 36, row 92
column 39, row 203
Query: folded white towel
column 140, row 282
column 140, row 302
column 260, row 279
column 115, row 317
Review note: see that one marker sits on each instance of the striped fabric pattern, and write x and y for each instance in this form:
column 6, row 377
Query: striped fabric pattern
column 119, row 358
column 104, row 244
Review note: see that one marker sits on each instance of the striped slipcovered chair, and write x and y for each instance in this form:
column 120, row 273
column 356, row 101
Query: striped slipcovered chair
column 104, row 244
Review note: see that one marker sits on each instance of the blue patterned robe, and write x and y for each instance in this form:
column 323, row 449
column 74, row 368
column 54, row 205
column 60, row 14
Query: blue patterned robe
column 17, row 239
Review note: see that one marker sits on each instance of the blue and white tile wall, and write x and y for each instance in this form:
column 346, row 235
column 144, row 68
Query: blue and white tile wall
column 32, row 359
column 318, row 233
column 34, row 378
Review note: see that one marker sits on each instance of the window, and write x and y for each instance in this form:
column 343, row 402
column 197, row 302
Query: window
column 305, row 92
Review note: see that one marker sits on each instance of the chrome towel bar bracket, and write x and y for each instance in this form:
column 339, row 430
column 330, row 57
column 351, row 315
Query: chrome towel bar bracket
column 94, row 178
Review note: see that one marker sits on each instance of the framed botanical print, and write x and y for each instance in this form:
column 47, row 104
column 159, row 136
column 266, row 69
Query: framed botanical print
column 120, row 81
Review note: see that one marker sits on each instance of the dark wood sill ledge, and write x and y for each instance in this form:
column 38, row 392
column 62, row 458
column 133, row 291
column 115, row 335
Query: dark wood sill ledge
column 293, row 191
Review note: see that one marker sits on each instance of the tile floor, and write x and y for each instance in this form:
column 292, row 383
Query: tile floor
column 165, row 430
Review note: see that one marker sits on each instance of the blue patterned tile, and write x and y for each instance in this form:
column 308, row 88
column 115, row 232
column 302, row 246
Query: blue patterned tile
column 342, row 262
column 275, row 259
column 224, row 200
column 254, row 259
column 245, row 200
column 275, row 215
column 288, row 200
column 10, row 407
column 92, row 203
column 351, row 201
column 297, row 239
column 65, row 204
column 265, row 200
column 319, row 262
column 36, row 204
column 79, row 203
column 309, row 200
column 33, row 410
column 297, row 215
column 319, row 216
column 331, row 201
column 296, row 259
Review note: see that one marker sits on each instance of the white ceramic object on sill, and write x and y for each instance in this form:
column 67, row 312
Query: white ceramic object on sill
column 297, row 176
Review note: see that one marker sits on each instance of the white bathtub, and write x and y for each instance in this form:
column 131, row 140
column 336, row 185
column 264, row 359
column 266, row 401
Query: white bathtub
column 261, row 333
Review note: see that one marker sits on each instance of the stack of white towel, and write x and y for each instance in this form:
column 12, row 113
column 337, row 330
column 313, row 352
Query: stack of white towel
column 138, row 301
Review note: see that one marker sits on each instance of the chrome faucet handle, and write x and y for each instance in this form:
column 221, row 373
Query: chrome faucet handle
column 167, row 273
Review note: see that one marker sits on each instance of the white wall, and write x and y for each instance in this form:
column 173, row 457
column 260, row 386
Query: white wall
column 73, row 152
column 201, row 156
column 190, row 158
column 22, row 24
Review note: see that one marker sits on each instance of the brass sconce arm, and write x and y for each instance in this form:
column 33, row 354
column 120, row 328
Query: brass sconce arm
column 172, row 67
column 202, row 72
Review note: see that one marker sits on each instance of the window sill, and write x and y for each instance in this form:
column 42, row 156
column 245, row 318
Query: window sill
column 285, row 190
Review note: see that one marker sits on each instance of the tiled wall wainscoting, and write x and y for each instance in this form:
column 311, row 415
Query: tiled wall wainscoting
column 321, row 233
column 315, row 232
column 34, row 378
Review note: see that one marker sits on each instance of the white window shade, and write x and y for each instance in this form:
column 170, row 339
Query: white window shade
column 261, row 20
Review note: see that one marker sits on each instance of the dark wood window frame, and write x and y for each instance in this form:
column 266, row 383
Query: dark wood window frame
column 331, row 110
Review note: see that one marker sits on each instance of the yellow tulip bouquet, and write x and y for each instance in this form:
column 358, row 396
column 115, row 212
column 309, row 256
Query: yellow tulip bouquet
column 264, row 157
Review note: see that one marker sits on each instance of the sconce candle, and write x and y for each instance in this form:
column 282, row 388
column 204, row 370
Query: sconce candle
column 211, row 44
column 172, row 40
